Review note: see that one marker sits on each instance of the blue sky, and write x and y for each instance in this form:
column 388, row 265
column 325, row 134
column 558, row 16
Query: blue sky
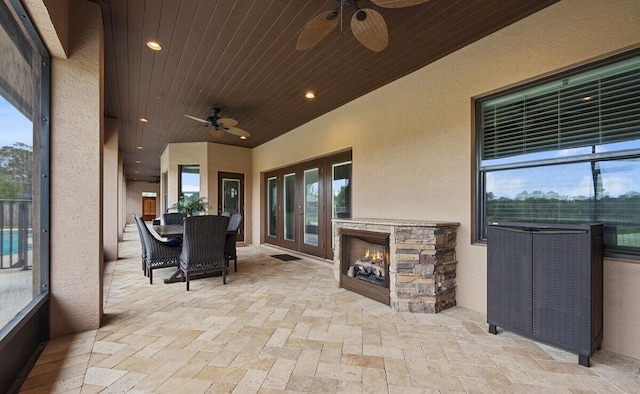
column 14, row 127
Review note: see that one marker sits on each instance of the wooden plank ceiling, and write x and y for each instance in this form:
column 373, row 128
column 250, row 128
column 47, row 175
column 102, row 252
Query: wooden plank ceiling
column 240, row 56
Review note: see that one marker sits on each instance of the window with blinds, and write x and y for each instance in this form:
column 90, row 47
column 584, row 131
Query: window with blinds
column 589, row 109
column 565, row 150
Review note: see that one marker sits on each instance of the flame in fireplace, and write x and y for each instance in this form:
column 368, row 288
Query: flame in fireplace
column 372, row 256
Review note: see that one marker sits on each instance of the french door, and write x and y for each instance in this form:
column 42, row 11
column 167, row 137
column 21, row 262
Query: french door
column 300, row 202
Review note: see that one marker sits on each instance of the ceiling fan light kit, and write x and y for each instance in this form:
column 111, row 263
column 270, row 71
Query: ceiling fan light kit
column 367, row 24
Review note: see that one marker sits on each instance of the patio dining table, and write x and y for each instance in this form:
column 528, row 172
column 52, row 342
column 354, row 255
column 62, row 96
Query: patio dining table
column 169, row 230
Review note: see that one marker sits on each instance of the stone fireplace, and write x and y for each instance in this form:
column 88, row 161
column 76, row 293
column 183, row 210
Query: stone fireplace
column 407, row 264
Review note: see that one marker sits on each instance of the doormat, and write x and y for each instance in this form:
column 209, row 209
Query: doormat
column 285, row 257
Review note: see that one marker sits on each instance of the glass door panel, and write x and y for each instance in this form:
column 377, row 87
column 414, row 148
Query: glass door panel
column 340, row 193
column 311, row 199
column 272, row 207
column 290, row 211
column 231, row 195
column 341, row 190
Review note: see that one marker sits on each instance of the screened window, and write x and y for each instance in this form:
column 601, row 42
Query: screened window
column 565, row 150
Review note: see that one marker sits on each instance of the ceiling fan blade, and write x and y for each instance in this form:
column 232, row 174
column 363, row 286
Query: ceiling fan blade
column 316, row 29
column 198, row 119
column 228, row 122
column 372, row 31
column 397, row 3
column 237, row 131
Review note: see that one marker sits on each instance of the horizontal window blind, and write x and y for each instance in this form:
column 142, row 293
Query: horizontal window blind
column 585, row 110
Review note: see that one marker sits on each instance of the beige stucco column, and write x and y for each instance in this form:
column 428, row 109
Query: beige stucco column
column 122, row 199
column 76, row 175
column 111, row 188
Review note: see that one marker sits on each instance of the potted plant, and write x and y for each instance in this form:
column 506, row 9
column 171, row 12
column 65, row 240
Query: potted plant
column 191, row 204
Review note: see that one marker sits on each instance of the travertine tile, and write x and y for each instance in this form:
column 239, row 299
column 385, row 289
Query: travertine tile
column 307, row 362
column 397, row 372
column 103, row 376
column 339, row 371
column 308, row 384
column 363, row 361
column 183, row 385
column 279, row 337
column 221, row 374
column 124, row 384
column 476, row 385
column 251, row 381
column 107, row 347
column 279, row 375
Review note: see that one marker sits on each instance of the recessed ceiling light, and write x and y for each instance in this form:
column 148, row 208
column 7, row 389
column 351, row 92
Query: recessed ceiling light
column 144, row 120
column 137, row 161
column 135, row 172
column 243, row 137
column 135, row 179
column 588, row 98
column 310, row 95
column 154, row 45
column 139, row 146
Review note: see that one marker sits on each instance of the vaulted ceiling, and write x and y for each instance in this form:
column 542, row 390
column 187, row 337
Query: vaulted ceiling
column 240, row 56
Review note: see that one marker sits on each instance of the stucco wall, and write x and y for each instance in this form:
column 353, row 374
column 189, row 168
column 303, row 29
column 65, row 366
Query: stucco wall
column 134, row 198
column 412, row 155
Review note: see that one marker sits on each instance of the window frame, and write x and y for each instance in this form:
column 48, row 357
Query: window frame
column 25, row 336
column 479, row 171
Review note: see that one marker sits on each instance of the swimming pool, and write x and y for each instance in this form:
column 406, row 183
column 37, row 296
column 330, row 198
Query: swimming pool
column 9, row 245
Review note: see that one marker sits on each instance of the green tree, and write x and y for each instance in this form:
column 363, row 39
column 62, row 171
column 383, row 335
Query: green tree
column 16, row 171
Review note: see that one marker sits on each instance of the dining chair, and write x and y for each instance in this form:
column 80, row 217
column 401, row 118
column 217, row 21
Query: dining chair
column 143, row 250
column 159, row 254
column 173, row 218
column 203, row 244
column 230, row 241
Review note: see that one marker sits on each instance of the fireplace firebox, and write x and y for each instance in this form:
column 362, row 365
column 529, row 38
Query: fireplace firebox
column 365, row 264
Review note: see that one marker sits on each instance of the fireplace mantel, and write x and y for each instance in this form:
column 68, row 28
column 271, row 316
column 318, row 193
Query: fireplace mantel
column 422, row 263
column 397, row 222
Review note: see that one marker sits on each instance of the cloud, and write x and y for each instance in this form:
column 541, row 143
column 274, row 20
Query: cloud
column 502, row 186
column 14, row 127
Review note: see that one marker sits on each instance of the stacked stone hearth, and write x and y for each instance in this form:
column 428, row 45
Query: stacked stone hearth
column 422, row 261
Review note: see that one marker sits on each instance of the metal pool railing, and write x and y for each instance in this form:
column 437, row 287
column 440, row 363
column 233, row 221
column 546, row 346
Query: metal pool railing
column 15, row 233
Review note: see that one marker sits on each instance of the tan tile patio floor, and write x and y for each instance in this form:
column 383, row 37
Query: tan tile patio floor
column 283, row 326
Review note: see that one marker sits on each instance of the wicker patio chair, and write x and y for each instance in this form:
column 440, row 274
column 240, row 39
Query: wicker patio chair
column 143, row 249
column 230, row 242
column 159, row 254
column 173, row 218
column 203, row 246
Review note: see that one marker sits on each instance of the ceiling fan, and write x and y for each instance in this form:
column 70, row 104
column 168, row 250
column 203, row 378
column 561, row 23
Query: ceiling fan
column 221, row 124
column 367, row 24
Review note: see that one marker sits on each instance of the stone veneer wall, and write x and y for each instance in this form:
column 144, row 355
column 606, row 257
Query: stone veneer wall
column 422, row 261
